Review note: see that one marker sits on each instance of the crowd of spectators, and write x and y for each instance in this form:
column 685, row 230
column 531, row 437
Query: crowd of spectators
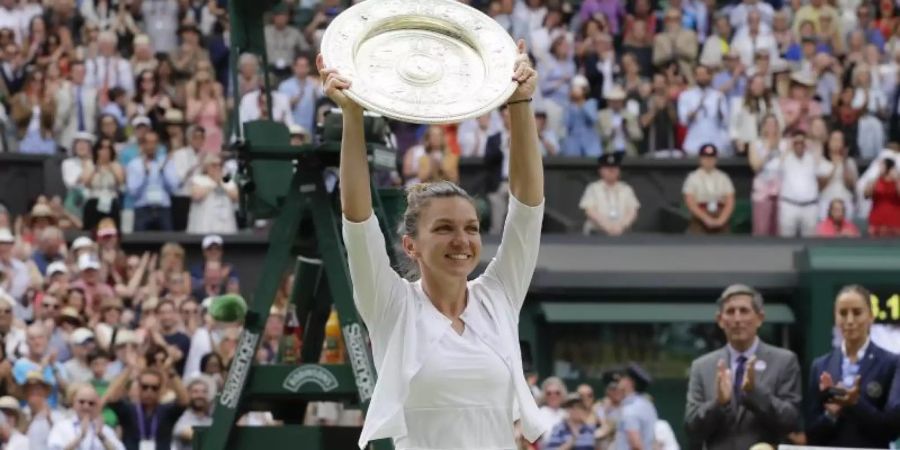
column 137, row 96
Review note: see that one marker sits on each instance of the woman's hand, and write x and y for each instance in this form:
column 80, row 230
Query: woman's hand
column 523, row 74
column 334, row 84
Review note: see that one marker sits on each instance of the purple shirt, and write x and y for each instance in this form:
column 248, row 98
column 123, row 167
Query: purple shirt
column 612, row 9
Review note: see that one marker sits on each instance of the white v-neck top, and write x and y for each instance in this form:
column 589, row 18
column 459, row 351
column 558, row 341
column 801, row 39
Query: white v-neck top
column 461, row 398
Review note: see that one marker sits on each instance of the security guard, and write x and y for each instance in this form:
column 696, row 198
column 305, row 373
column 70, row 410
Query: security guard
column 854, row 390
column 638, row 425
column 709, row 195
column 609, row 203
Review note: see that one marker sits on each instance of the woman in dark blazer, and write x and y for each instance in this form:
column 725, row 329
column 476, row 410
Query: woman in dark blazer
column 854, row 391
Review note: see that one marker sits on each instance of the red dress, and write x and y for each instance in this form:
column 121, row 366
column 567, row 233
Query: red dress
column 884, row 220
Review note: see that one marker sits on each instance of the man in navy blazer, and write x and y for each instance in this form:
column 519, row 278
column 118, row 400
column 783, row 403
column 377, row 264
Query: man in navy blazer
column 872, row 419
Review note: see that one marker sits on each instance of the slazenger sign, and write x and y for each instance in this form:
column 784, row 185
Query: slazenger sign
column 310, row 374
column 359, row 358
column 243, row 358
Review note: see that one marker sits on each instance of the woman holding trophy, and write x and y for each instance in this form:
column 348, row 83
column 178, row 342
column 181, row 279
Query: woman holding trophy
column 446, row 348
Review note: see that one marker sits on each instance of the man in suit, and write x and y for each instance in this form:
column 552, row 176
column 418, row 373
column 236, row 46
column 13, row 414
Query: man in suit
column 108, row 70
column 748, row 391
column 76, row 107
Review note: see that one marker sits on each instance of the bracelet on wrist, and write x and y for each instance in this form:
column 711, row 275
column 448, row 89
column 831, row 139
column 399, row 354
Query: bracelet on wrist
column 524, row 100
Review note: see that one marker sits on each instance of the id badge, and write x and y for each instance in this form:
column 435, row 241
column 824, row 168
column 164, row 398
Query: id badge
column 104, row 204
column 155, row 196
column 712, row 207
column 147, row 444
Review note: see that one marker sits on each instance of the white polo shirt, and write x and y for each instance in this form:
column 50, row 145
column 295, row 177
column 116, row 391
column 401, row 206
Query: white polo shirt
column 799, row 182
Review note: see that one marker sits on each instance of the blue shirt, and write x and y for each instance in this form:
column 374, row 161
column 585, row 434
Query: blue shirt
column 638, row 414
column 874, row 36
column 725, row 76
column 582, row 138
column 128, row 154
column 850, row 370
column 561, row 434
column 307, row 92
column 733, row 354
column 151, row 187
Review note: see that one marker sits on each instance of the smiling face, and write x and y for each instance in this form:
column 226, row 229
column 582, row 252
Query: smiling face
column 447, row 242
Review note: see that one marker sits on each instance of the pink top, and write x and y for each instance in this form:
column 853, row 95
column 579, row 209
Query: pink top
column 827, row 228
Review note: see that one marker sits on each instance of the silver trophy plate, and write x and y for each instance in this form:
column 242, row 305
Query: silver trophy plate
column 422, row 61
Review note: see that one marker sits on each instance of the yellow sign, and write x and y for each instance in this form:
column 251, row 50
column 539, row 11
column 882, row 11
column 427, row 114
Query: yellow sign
column 886, row 308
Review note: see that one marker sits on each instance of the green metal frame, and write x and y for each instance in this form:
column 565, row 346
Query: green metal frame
column 321, row 280
column 287, row 183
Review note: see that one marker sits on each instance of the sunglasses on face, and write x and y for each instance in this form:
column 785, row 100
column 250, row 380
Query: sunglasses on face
column 150, row 387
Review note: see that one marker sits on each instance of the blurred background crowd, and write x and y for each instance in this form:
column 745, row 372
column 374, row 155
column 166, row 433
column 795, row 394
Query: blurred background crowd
column 135, row 98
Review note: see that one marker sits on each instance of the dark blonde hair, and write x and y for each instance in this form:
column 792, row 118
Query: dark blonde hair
column 418, row 196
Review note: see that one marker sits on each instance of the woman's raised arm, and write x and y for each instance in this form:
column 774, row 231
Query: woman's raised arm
column 526, row 170
column 356, row 195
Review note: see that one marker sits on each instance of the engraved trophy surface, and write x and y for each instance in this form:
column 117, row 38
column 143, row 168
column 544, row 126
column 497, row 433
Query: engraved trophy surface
column 423, row 61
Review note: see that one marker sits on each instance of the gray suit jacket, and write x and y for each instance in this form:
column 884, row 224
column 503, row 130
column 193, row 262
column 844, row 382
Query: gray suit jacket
column 767, row 414
column 66, row 123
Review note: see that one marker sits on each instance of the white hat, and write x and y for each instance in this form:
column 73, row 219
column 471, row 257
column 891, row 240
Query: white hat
column 80, row 336
column 88, row 261
column 84, row 136
column 212, row 239
column 57, row 267
column 803, row 78
column 9, row 402
column 6, row 236
column 580, row 81
column 616, row 93
column 140, row 120
column 82, row 242
column 125, row 336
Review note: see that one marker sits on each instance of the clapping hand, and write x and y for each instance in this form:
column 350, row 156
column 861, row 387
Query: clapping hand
column 852, row 395
column 724, row 383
